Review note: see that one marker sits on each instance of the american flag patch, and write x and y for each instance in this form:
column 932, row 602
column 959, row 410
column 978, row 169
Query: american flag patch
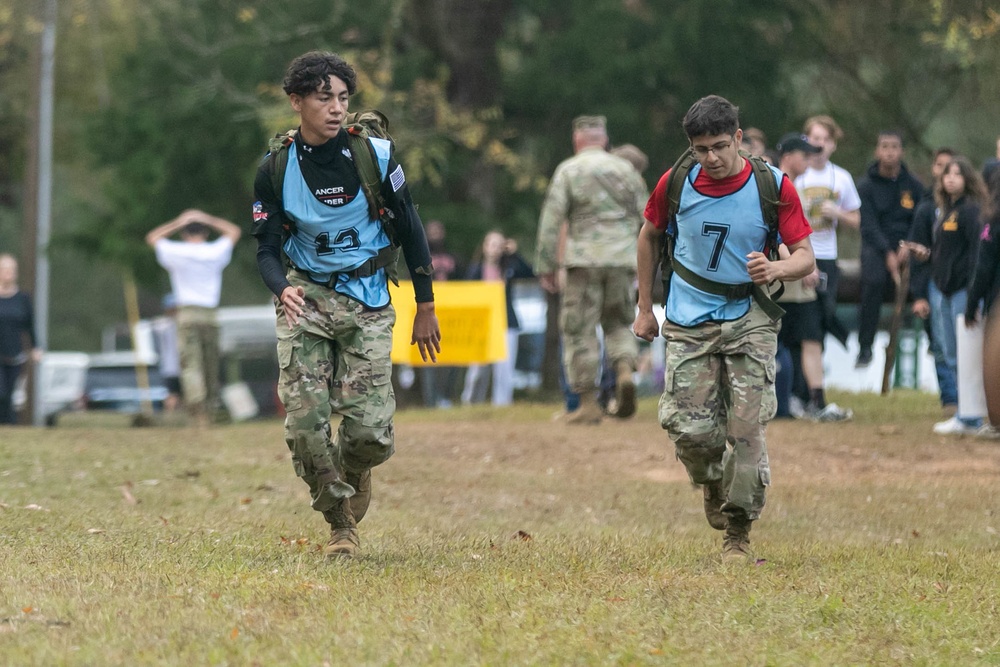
column 258, row 212
column 397, row 179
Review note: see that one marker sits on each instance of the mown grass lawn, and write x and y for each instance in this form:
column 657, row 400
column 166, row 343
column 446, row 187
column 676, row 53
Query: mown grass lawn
column 499, row 537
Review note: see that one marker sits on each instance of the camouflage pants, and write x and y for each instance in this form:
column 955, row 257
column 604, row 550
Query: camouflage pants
column 596, row 296
column 717, row 400
column 198, row 339
column 335, row 361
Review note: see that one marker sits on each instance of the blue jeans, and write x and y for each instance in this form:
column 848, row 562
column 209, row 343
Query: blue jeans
column 944, row 311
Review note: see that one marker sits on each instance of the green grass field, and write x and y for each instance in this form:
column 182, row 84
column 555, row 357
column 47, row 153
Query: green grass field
column 499, row 537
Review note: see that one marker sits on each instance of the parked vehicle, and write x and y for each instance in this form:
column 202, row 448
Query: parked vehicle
column 62, row 376
column 111, row 384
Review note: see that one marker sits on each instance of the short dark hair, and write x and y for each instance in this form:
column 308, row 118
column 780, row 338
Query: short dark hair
column 710, row 116
column 195, row 229
column 312, row 71
column 944, row 150
column 890, row 133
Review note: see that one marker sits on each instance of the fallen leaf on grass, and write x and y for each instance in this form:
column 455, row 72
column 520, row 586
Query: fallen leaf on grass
column 615, row 599
column 915, row 533
column 214, row 596
column 246, row 501
column 27, row 610
column 164, row 520
column 235, row 633
column 521, row 535
column 126, row 490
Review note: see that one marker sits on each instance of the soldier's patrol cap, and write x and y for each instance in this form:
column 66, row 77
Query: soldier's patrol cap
column 590, row 123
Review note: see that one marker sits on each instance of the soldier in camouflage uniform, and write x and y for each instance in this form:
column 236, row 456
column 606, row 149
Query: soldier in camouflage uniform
column 595, row 199
column 334, row 316
column 718, row 393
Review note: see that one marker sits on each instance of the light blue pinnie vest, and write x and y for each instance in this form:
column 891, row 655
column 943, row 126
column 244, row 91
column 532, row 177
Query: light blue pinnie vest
column 330, row 240
column 714, row 236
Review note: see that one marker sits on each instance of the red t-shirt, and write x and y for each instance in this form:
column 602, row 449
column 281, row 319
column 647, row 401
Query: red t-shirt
column 792, row 223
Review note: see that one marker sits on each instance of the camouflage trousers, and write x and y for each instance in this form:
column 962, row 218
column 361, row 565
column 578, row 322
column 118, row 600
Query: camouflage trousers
column 596, row 296
column 335, row 361
column 198, row 339
column 717, row 399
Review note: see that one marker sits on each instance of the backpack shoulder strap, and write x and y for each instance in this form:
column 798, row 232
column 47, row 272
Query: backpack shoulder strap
column 675, row 181
column 277, row 159
column 362, row 126
column 770, row 198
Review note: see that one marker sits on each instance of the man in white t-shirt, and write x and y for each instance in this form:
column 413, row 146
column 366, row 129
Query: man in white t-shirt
column 195, row 266
column 829, row 199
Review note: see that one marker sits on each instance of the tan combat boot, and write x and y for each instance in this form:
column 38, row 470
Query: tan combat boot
column 589, row 412
column 715, row 496
column 624, row 390
column 736, row 543
column 362, row 483
column 344, row 540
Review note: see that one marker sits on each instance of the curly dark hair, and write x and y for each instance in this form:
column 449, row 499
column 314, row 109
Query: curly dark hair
column 311, row 72
column 711, row 116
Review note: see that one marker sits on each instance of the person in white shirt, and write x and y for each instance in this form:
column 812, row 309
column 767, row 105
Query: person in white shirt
column 830, row 199
column 195, row 265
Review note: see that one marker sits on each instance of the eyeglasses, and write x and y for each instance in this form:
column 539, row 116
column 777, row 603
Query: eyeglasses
column 702, row 151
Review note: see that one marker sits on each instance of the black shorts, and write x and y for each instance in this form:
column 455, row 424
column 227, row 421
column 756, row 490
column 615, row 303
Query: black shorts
column 802, row 321
column 173, row 384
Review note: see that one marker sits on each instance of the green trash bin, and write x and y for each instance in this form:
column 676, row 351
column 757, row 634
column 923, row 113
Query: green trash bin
column 906, row 374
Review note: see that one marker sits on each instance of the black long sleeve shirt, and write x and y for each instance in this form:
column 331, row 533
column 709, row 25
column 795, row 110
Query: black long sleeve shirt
column 16, row 318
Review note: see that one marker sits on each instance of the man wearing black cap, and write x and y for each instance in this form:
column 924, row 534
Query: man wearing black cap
column 802, row 326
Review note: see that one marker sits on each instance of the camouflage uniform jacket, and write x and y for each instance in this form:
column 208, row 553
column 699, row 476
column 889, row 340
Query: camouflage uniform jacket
column 602, row 197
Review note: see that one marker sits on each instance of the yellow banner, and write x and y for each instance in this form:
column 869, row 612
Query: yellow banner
column 473, row 319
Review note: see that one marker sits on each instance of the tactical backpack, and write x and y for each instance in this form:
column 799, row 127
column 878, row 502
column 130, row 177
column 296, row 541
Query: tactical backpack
column 360, row 126
column 769, row 203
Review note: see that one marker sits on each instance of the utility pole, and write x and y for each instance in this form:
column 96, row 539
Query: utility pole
column 43, row 225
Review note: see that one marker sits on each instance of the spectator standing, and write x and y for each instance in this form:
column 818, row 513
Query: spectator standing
column 802, row 325
column 168, row 351
column 599, row 197
column 17, row 322
column 497, row 260
column 923, row 219
column 755, row 142
column 195, row 265
column 992, row 165
column 334, row 315
column 830, row 200
column 719, row 382
column 950, row 244
column 982, row 302
column 437, row 383
column 889, row 196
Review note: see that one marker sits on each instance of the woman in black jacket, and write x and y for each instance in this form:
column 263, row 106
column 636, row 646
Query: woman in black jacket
column 951, row 240
column 982, row 299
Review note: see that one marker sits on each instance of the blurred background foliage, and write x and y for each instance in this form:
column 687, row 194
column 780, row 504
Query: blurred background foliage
column 164, row 105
